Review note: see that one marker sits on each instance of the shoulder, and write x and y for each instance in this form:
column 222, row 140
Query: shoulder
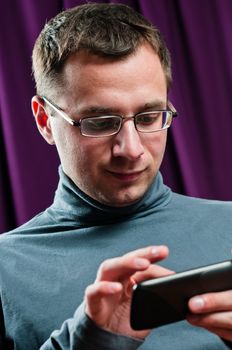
column 202, row 207
column 37, row 225
column 202, row 202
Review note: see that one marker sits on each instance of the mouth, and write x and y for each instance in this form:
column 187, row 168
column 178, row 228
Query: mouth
column 127, row 176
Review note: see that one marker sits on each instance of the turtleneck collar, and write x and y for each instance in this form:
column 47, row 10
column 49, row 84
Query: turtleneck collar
column 70, row 203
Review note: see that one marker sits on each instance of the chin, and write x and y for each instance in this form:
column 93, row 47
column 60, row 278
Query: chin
column 123, row 201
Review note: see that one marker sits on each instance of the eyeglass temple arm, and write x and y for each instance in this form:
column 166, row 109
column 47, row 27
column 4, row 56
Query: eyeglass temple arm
column 60, row 112
column 76, row 123
column 172, row 109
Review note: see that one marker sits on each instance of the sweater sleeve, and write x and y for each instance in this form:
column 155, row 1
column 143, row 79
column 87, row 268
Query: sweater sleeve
column 81, row 333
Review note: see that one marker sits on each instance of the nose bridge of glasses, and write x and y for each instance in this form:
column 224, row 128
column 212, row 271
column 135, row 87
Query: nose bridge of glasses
column 128, row 140
column 129, row 118
column 126, row 124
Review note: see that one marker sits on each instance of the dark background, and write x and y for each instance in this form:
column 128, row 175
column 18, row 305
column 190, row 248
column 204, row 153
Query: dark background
column 198, row 158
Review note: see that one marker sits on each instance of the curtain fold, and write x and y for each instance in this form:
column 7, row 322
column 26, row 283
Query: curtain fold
column 198, row 156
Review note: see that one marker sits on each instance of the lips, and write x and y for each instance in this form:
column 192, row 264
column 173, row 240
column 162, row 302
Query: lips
column 127, row 176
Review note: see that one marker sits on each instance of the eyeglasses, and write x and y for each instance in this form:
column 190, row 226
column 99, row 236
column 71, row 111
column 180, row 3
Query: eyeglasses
column 108, row 125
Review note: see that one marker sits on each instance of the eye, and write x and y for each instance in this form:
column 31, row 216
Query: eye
column 100, row 126
column 149, row 118
column 101, row 123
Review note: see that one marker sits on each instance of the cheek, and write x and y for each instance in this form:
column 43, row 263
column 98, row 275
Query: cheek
column 86, row 167
column 88, row 155
column 68, row 144
column 156, row 145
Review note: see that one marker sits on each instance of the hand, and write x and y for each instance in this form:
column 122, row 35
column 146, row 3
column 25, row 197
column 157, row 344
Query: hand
column 108, row 299
column 213, row 311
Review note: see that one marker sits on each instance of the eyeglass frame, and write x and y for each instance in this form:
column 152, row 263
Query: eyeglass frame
column 77, row 123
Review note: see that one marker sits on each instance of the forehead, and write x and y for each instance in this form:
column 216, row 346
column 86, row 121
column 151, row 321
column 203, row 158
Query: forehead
column 90, row 78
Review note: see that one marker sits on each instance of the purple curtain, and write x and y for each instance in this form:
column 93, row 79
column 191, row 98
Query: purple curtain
column 197, row 160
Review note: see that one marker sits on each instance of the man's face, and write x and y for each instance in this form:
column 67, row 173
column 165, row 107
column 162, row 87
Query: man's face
column 115, row 170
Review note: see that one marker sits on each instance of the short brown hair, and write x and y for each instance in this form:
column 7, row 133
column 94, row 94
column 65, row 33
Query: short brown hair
column 109, row 30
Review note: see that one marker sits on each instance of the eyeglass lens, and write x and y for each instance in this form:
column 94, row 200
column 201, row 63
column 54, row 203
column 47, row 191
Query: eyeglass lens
column 109, row 125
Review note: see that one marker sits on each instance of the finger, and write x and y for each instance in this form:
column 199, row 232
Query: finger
column 102, row 289
column 220, row 330
column 153, row 271
column 121, row 267
column 219, row 327
column 211, row 302
column 152, row 253
column 96, row 297
column 220, row 320
column 222, row 333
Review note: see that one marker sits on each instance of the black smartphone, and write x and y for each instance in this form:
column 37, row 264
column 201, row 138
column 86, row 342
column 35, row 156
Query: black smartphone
column 163, row 300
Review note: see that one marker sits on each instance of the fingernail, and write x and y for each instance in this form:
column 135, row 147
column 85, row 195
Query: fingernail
column 197, row 303
column 155, row 251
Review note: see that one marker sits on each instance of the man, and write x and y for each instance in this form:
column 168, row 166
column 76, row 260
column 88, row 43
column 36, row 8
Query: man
column 102, row 75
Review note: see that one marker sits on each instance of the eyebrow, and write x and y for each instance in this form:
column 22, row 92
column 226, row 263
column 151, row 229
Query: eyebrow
column 155, row 105
column 98, row 110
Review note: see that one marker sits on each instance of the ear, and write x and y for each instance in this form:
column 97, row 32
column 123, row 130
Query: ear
column 42, row 119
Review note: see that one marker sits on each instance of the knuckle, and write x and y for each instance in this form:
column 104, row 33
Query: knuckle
column 210, row 301
column 230, row 319
column 105, row 266
column 88, row 292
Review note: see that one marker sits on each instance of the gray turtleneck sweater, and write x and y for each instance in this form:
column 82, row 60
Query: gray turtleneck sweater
column 46, row 264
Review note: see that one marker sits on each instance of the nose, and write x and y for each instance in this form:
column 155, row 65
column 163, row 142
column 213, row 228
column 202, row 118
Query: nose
column 127, row 143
